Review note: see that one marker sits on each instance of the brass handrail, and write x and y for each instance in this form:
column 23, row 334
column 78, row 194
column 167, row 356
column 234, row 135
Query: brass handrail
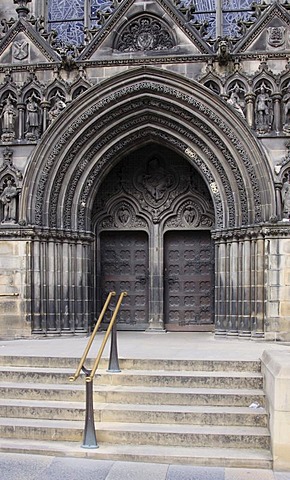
column 86, row 351
column 90, row 377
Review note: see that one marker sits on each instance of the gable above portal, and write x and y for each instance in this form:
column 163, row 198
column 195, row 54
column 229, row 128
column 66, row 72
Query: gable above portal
column 23, row 44
column 145, row 27
column 271, row 33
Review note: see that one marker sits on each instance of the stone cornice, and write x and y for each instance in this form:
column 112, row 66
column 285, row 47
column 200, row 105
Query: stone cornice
column 162, row 59
column 18, row 232
column 252, row 232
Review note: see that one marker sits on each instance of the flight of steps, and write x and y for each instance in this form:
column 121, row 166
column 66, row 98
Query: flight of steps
column 189, row 412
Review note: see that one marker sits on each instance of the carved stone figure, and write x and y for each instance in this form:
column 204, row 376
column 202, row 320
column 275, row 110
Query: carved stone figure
column 32, row 118
column 286, row 200
column 234, row 100
column 9, row 200
column 222, row 47
column 8, row 116
column 156, row 180
column 263, row 111
column 54, row 112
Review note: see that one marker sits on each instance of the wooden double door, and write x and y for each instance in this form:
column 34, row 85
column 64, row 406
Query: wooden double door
column 179, row 287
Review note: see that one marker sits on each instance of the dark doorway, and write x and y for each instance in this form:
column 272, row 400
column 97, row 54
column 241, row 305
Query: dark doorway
column 153, row 215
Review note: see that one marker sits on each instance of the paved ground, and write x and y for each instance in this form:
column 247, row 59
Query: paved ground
column 37, row 467
column 170, row 345
column 132, row 345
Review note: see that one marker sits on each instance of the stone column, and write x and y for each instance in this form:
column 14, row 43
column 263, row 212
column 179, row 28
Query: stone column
column 51, row 287
column 65, row 327
column 36, row 289
column 227, row 321
column 245, row 322
column 80, row 283
column 258, row 326
column 44, row 105
column 277, row 112
column 278, row 188
column 250, row 100
column 233, row 287
column 21, row 122
column 43, row 284
column 220, row 256
column 156, row 281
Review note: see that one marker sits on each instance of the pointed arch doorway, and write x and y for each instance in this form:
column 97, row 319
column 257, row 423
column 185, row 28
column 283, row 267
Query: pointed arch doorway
column 153, row 215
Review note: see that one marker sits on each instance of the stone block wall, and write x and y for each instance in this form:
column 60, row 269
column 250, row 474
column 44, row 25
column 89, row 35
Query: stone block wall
column 13, row 260
column 277, row 287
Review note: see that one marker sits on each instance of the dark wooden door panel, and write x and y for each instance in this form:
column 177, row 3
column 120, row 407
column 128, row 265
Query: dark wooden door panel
column 124, row 267
column 188, row 280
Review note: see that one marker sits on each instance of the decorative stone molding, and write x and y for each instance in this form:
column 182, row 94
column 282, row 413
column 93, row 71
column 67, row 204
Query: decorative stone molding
column 145, row 33
column 93, row 110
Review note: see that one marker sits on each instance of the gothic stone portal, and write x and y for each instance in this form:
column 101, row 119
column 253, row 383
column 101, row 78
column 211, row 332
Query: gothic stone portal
column 153, row 216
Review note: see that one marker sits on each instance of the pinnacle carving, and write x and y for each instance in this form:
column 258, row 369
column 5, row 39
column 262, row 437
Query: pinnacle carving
column 22, row 9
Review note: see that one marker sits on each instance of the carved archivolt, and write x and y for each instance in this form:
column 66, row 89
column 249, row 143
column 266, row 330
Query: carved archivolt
column 163, row 97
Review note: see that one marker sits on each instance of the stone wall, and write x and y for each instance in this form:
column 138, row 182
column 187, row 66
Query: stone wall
column 14, row 260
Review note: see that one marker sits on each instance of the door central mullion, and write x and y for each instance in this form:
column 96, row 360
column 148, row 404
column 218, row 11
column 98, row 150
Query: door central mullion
column 156, row 309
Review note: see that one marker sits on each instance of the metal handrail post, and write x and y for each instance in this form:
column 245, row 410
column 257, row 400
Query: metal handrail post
column 91, row 376
column 89, row 436
column 114, row 360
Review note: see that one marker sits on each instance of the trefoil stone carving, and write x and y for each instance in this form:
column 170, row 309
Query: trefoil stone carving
column 145, row 34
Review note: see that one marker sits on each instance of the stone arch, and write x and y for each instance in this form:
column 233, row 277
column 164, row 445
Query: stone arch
column 146, row 105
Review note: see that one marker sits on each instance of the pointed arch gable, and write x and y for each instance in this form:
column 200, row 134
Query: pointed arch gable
column 132, row 109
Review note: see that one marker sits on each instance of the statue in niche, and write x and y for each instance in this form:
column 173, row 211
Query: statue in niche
column 263, row 111
column 8, row 116
column 286, row 199
column 32, row 119
column 235, row 100
column 9, row 199
column 286, row 110
column 57, row 108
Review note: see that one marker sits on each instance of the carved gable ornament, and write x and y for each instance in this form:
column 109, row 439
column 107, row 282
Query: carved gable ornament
column 269, row 33
column 20, row 50
column 276, row 36
column 22, row 43
column 143, row 34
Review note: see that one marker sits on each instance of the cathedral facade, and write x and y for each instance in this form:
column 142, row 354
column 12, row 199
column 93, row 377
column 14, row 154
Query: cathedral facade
column 145, row 147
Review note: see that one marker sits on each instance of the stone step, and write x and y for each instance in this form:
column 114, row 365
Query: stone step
column 218, row 379
column 139, row 434
column 134, row 364
column 134, row 394
column 171, row 414
column 196, row 456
